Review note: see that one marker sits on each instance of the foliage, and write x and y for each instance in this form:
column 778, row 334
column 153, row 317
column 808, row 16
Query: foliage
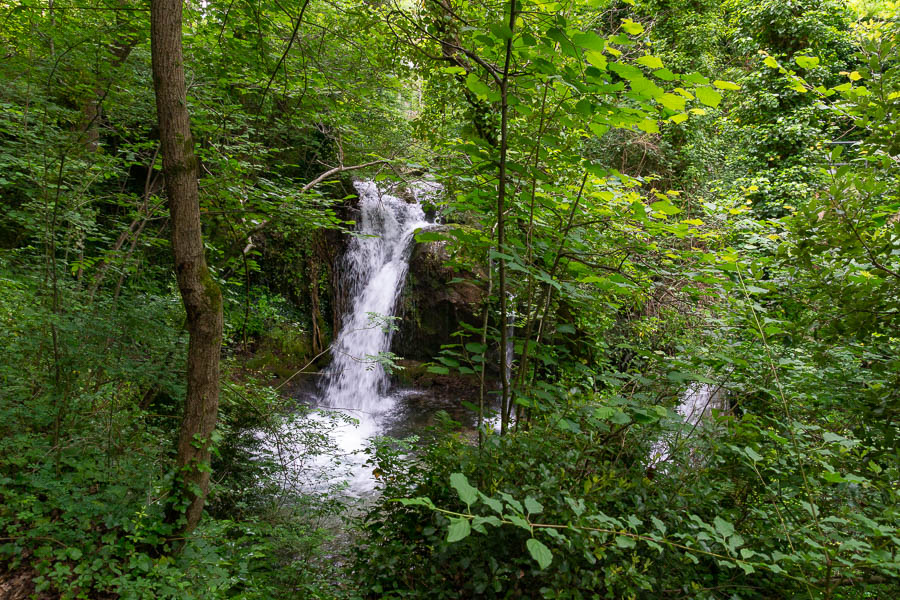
column 694, row 195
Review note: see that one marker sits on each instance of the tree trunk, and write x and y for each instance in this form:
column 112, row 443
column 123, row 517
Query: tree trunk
column 501, row 236
column 314, row 311
column 200, row 294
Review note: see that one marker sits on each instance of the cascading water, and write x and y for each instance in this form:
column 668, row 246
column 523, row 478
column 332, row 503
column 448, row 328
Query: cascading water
column 697, row 402
column 374, row 270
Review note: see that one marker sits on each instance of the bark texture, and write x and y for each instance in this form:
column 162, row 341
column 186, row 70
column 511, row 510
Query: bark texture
column 201, row 295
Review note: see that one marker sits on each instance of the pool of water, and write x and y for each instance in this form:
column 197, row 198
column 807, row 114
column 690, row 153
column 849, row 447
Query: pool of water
column 401, row 413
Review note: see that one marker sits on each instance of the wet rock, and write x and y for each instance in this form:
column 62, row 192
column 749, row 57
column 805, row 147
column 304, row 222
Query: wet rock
column 415, row 374
column 436, row 300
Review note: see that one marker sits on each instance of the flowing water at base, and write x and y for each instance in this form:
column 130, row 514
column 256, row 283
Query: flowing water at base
column 373, row 271
column 697, row 402
column 412, row 413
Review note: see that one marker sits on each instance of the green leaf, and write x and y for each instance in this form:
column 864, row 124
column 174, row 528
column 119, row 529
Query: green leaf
column 664, row 74
column 490, row 520
column 695, row 78
column 631, row 27
column 629, row 72
column 771, row 62
column 144, row 562
column 673, row 102
column 597, row 59
column 726, row 85
column 620, row 418
column 723, row 527
column 752, row 454
column 430, row 236
column 708, row 96
column 597, row 129
column 645, row 87
column 753, row 289
column 623, row 541
column 533, row 506
column 438, row 370
column 501, row 31
column 832, row 477
column 416, row 502
column 476, row 347
column 648, row 125
column 493, row 503
column 576, row 506
column 467, row 493
column 806, row 62
column 539, row 552
column 459, row 529
column 478, row 523
column 665, row 207
column 589, row 41
column 650, row 61
column 512, row 502
column 584, row 108
column 450, row 362
column 518, row 521
column 476, row 86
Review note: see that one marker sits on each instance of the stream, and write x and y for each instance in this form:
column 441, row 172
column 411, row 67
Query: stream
column 356, row 383
column 355, row 398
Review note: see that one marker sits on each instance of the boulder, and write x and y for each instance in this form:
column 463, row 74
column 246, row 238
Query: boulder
column 435, row 301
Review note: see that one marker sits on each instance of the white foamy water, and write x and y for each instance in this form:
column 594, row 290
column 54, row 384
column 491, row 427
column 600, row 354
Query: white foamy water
column 374, row 270
column 697, row 402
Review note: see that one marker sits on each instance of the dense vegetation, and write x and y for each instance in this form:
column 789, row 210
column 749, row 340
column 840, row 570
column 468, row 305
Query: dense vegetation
column 659, row 195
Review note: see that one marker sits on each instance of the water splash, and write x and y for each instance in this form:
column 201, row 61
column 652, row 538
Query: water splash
column 697, row 402
column 374, row 270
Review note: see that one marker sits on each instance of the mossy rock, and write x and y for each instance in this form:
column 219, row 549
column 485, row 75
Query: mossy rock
column 435, row 301
column 262, row 361
column 411, row 372
column 293, row 345
column 283, row 351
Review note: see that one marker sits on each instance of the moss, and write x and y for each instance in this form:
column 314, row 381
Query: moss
column 264, row 360
column 291, row 343
column 282, row 351
column 212, row 290
column 411, row 373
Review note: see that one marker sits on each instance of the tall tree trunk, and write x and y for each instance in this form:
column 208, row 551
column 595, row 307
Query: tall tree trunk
column 201, row 295
column 315, row 313
column 501, row 230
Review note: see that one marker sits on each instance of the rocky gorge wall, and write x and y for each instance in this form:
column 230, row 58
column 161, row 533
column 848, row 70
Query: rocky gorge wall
column 435, row 301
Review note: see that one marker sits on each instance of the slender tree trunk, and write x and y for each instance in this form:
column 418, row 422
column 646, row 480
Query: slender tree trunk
column 501, row 209
column 544, row 298
column 200, row 294
column 315, row 314
column 484, row 345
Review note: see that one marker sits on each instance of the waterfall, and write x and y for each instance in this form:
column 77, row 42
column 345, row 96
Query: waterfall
column 374, row 270
column 697, row 402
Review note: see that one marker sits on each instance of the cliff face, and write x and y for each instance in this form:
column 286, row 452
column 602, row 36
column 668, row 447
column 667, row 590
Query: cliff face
column 435, row 301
